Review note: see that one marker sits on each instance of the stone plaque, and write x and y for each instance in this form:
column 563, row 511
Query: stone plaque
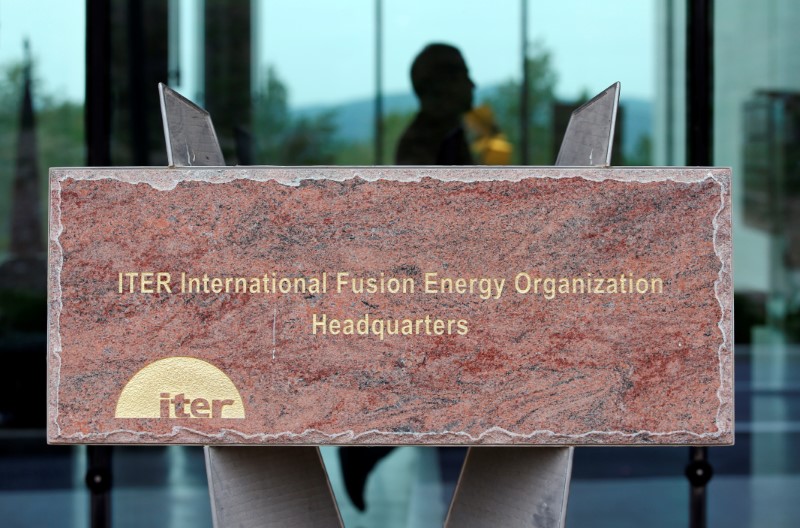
column 557, row 306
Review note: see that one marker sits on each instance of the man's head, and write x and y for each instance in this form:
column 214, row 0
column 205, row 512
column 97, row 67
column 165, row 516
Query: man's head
column 441, row 80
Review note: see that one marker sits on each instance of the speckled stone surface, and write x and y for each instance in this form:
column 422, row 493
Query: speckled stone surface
column 540, row 367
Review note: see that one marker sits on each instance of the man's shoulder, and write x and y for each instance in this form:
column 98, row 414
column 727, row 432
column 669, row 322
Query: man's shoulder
column 417, row 146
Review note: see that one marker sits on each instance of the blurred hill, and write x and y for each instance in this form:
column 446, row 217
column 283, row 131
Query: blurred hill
column 354, row 120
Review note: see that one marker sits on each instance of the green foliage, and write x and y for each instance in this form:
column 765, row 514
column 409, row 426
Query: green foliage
column 363, row 153
column 281, row 139
column 10, row 96
column 506, row 103
column 59, row 133
column 642, row 156
column 355, row 154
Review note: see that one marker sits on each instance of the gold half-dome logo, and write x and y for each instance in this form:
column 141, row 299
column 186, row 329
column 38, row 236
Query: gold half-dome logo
column 180, row 387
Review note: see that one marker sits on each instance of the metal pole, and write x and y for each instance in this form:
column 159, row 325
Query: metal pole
column 137, row 83
column 523, row 91
column 97, row 120
column 699, row 83
column 97, row 116
column 699, row 152
column 378, row 82
column 699, row 472
column 98, row 480
column 668, row 82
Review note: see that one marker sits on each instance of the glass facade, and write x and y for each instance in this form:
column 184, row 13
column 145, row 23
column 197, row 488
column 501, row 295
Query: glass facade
column 328, row 83
column 41, row 125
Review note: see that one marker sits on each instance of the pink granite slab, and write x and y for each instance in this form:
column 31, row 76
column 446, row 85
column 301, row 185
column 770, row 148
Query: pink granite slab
column 542, row 367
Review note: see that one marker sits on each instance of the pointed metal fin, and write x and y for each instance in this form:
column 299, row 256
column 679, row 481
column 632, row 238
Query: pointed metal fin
column 590, row 132
column 188, row 131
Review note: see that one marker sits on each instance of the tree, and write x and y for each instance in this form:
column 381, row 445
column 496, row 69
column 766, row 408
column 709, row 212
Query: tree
column 363, row 152
column 60, row 136
column 505, row 103
column 60, row 141
column 280, row 138
column 642, row 155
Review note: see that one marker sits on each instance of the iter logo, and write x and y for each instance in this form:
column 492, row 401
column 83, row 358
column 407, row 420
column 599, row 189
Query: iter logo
column 180, row 387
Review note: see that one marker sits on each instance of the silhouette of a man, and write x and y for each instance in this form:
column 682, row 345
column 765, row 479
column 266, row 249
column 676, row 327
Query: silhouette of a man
column 435, row 137
column 441, row 81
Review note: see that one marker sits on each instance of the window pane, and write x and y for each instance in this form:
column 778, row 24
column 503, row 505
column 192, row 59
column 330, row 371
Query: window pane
column 41, row 125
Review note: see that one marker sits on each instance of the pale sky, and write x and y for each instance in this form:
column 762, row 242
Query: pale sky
column 56, row 32
column 330, row 55
column 324, row 49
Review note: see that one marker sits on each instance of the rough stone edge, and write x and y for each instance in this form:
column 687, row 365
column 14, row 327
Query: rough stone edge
column 165, row 179
column 492, row 436
column 55, row 259
column 723, row 290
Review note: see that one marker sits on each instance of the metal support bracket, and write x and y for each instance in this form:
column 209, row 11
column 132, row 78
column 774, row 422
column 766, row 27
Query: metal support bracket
column 288, row 486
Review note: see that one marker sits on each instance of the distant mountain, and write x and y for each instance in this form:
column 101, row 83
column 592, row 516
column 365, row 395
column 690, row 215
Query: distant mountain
column 354, row 120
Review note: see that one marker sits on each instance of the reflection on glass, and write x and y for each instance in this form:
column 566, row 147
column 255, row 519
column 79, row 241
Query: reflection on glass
column 41, row 126
column 436, row 134
column 294, row 83
column 38, row 129
column 489, row 145
column 313, row 66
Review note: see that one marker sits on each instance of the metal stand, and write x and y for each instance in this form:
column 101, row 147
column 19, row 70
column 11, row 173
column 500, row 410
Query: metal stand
column 512, row 486
column 249, row 486
column 269, row 486
column 518, row 487
column 699, row 145
column 288, row 486
column 699, row 473
column 98, row 480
